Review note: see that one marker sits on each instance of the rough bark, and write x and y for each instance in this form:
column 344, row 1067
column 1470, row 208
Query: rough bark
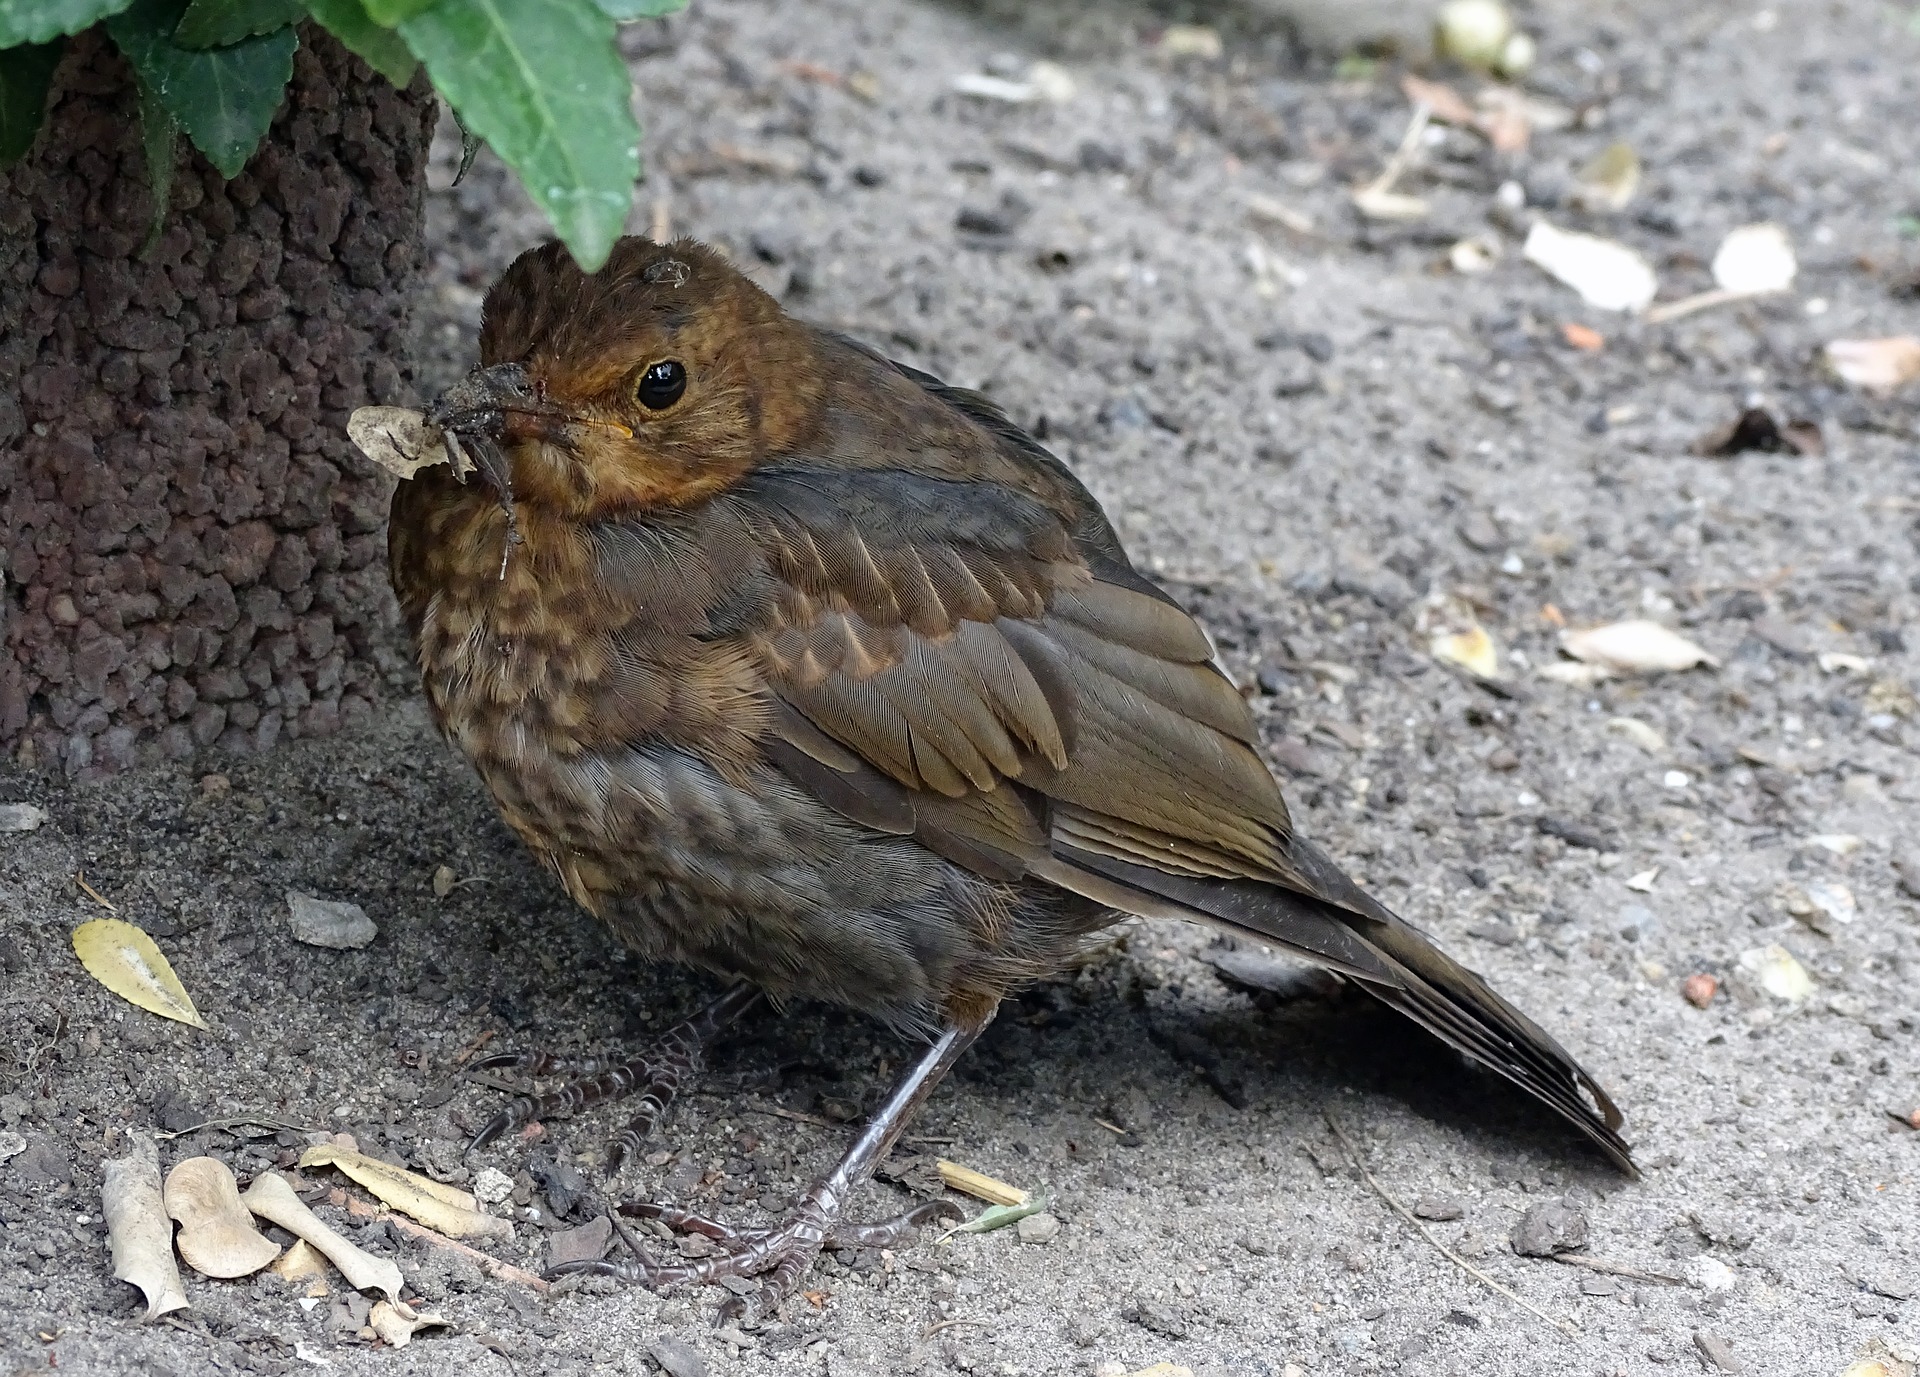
column 193, row 551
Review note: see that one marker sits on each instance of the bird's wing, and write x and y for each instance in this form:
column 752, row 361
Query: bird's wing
column 962, row 661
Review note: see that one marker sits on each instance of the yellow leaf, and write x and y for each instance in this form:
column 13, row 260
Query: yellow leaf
column 124, row 959
column 438, row 1206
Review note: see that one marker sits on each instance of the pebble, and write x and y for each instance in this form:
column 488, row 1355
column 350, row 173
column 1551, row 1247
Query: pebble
column 491, row 1186
column 587, row 1243
column 1553, row 1226
column 1717, row 1351
column 22, row 817
column 1440, row 1207
column 677, row 1357
column 1700, row 989
column 1038, row 1228
column 330, row 923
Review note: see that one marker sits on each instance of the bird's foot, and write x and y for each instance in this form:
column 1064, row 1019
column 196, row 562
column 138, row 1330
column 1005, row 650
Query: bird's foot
column 774, row 1258
column 657, row 1075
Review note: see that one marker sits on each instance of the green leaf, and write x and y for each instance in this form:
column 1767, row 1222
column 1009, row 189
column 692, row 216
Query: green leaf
column 35, row 21
column 25, row 74
column 998, row 1217
column 393, row 13
column 224, row 98
column 541, row 82
column 378, row 46
column 640, row 9
column 217, row 23
column 159, row 132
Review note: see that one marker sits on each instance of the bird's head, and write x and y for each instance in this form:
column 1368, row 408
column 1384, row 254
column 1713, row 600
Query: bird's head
column 654, row 383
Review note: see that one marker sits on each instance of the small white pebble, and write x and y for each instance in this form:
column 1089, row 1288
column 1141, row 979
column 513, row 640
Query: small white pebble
column 1675, row 779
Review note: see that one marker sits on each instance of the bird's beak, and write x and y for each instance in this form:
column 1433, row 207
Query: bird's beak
column 501, row 404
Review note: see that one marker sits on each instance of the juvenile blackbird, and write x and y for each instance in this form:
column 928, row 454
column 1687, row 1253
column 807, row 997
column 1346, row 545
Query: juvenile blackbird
column 801, row 666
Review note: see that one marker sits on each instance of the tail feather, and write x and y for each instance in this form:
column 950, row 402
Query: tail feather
column 1340, row 926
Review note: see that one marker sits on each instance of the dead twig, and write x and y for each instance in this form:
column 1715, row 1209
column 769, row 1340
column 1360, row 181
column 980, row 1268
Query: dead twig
column 80, row 878
column 795, row 1115
column 933, row 1329
column 1614, row 1269
column 1354, row 1154
column 486, row 1262
column 275, row 1124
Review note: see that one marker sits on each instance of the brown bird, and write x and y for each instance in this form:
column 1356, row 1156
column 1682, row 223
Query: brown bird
column 801, row 666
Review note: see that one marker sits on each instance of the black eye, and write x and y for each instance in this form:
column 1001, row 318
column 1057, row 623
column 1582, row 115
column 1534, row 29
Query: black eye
column 661, row 385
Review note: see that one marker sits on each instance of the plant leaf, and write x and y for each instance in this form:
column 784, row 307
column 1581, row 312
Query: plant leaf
column 446, row 1208
column 218, row 23
column 639, row 9
column 124, row 959
column 393, row 13
column 224, row 98
column 25, row 74
column 158, row 134
column 545, row 87
column 378, row 46
column 998, row 1217
column 35, row 21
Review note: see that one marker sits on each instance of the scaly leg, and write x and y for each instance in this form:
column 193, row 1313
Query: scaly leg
column 675, row 1057
column 781, row 1255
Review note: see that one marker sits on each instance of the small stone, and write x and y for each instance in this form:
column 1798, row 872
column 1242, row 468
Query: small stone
column 1717, row 1351
column 1710, row 1274
column 1553, row 1226
column 1038, row 1228
column 1700, row 989
column 1907, row 867
column 1166, row 1320
column 330, row 923
column 22, row 817
column 215, row 786
column 677, row 1357
column 443, row 881
column 1440, row 1207
column 11, row 1146
column 491, row 1186
column 588, row 1243
column 1599, row 1286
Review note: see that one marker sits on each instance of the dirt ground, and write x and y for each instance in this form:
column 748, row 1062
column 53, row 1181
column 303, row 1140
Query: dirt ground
column 1305, row 434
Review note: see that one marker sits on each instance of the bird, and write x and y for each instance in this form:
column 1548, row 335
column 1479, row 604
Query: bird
column 800, row 666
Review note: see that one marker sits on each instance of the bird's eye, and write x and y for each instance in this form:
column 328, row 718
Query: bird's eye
column 661, row 385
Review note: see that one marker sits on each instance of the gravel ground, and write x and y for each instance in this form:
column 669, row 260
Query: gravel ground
column 1307, row 435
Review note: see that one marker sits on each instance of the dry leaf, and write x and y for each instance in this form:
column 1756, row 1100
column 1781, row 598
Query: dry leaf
column 1190, row 40
column 1442, row 101
column 1754, row 260
column 1635, row 647
column 1639, row 733
column 1475, row 255
column 1575, row 673
column 138, row 1230
column 301, row 1262
column 1609, row 181
column 1454, row 635
column 1774, row 970
column 399, row 440
column 1607, row 275
column 1583, row 337
column 1378, row 203
column 271, row 1198
column 978, row 1185
column 396, row 1322
column 124, row 959
column 1880, row 365
column 446, row 1208
column 217, row 1237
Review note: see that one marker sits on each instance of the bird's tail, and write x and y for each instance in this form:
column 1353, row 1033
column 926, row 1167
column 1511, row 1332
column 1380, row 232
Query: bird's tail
column 1331, row 921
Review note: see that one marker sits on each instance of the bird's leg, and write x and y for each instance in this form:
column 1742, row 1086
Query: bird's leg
column 657, row 1074
column 781, row 1255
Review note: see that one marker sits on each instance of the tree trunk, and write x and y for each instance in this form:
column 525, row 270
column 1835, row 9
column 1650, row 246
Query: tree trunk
column 194, row 553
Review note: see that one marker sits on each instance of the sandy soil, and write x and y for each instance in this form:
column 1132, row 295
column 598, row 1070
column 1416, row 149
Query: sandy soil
column 1305, row 434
